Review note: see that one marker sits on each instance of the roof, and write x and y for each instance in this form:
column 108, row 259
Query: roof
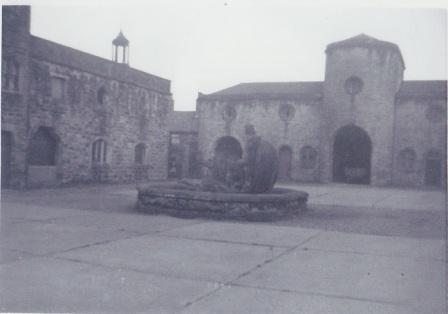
column 427, row 89
column 59, row 54
column 120, row 40
column 183, row 121
column 271, row 90
column 365, row 41
column 362, row 40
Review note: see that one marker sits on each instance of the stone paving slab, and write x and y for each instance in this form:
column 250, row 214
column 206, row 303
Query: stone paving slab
column 176, row 257
column 33, row 212
column 359, row 276
column 132, row 222
column 233, row 299
column 261, row 234
column 56, row 285
column 44, row 238
column 432, row 249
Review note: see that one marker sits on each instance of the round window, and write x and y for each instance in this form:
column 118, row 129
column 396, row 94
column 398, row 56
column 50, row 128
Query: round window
column 228, row 113
column 353, row 85
column 286, row 112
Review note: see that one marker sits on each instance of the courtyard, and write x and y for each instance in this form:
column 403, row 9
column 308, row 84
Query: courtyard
column 357, row 249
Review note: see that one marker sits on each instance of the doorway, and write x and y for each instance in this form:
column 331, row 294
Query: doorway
column 6, row 158
column 352, row 150
column 284, row 163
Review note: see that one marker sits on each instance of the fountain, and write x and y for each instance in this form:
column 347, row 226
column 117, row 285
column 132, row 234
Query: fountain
column 238, row 189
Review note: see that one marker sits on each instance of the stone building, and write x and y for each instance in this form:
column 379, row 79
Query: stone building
column 68, row 116
column 363, row 124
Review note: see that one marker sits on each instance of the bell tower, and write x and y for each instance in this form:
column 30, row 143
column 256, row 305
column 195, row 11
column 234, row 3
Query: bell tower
column 120, row 46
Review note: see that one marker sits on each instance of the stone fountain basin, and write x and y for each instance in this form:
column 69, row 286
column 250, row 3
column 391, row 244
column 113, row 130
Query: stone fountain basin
column 179, row 200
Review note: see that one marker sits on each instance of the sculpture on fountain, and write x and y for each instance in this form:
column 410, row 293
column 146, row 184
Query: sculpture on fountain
column 231, row 188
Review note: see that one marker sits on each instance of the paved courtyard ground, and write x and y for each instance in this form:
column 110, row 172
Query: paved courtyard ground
column 357, row 249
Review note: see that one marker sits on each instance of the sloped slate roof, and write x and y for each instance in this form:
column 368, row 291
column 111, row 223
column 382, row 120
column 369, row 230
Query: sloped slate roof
column 430, row 89
column 269, row 90
column 56, row 53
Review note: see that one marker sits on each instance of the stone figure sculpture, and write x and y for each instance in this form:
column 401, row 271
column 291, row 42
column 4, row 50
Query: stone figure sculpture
column 255, row 173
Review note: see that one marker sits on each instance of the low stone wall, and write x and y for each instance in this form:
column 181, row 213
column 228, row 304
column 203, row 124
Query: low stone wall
column 174, row 199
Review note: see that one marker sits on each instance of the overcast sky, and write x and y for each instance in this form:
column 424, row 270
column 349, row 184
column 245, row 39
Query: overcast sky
column 208, row 46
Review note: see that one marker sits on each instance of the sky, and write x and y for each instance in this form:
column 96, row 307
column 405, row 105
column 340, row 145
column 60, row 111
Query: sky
column 206, row 46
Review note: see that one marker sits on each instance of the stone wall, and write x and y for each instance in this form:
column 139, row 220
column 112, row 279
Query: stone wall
column 420, row 126
column 297, row 131
column 372, row 109
column 129, row 115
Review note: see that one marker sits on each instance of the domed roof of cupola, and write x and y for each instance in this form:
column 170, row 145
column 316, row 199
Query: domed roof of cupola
column 120, row 40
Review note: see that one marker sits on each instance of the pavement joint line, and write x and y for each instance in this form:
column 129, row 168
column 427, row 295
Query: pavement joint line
column 327, row 295
column 416, row 258
column 88, row 245
column 265, row 262
column 226, row 241
column 375, row 203
column 136, row 270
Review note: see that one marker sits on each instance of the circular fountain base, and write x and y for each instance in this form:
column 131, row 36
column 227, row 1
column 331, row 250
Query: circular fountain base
column 178, row 200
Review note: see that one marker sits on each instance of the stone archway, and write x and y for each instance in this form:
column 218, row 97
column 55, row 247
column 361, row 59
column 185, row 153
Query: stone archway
column 228, row 147
column 352, row 152
column 284, row 165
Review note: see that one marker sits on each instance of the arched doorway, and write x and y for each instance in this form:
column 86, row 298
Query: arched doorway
column 284, row 163
column 43, row 147
column 352, row 150
column 228, row 147
column 433, row 168
column 6, row 158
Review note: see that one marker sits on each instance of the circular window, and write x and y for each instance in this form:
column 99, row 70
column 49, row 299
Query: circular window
column 353, row 85
column 228, row 113
column 286, row 112
column 435, row 114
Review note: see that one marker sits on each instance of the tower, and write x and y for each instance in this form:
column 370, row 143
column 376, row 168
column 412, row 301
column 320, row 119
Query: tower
column 120, row 49
column 362, row 77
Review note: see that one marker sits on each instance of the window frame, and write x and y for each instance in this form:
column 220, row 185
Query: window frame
column 99, row 152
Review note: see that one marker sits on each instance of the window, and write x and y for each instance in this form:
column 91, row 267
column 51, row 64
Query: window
column 175, row 139
column 286, row 112
column 406, row 160
column 57, row 88
column 228, row 113
column 308, row 156
column 99, row 151
column 43, row 146
column 10, row 75
column 101, row 95
column 353, row 85
column 140, row 152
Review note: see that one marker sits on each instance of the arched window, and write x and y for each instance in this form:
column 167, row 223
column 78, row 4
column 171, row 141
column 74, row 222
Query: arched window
column 10, row 75
column 101, row 95
column 308, row 156
column 406, row 160
column 43, row 146
column 99, row 151
column 140, row 153
column 433, row 168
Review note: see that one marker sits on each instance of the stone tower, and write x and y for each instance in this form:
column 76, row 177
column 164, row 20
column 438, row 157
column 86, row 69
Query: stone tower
column 15, row 86
column 362, row 77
